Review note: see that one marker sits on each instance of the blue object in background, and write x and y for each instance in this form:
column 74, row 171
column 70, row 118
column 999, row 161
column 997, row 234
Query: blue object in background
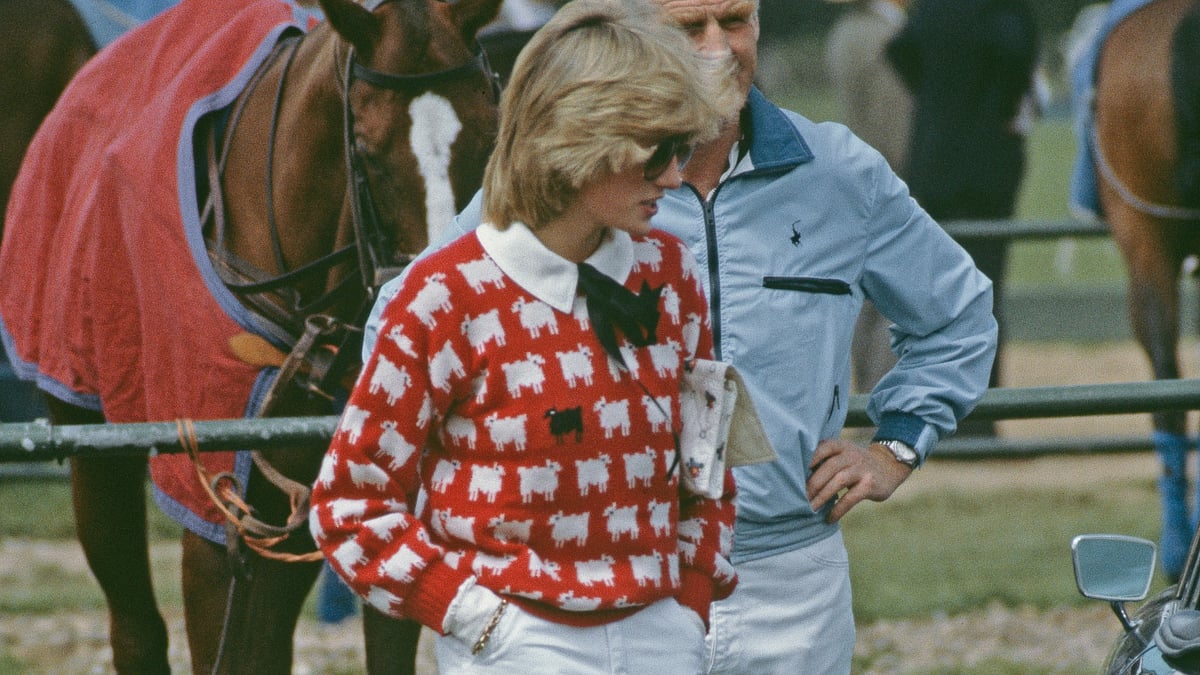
column 19, row 400
column 108, row 20
column 335, row 601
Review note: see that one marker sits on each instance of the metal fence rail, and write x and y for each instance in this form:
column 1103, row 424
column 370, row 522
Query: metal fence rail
column 41, row 441
column 1024, row 229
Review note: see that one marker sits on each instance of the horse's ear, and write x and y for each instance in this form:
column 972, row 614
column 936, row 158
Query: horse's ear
column 356, row 24
column 471, row 15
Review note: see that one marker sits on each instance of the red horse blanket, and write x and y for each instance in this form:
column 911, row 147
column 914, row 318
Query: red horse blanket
column 107, row 298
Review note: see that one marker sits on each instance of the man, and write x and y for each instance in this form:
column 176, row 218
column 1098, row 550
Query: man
column 794, row 224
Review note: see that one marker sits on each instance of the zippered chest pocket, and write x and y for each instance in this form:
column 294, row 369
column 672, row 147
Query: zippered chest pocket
column 800, row 311
column 807, row 285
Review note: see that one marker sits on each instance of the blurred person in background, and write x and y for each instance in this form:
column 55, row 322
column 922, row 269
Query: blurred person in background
column 970, row 66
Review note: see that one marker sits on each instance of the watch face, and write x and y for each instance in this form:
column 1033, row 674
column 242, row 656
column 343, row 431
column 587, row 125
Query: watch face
column 902, row 451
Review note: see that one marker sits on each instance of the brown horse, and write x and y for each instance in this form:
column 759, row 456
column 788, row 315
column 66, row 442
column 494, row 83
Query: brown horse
column 352, row 143
column 1148, row 192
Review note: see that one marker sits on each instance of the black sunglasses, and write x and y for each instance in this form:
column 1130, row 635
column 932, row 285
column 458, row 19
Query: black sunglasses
column 675, row 147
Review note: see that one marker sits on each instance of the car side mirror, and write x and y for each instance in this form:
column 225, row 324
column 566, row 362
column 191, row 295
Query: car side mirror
column 1113, row 568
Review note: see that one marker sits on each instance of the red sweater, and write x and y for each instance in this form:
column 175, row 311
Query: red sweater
column 544, row 465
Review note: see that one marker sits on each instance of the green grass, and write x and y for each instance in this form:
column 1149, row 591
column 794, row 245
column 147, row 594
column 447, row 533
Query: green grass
column 44, row 511
column 936, row 553
column 956, row 551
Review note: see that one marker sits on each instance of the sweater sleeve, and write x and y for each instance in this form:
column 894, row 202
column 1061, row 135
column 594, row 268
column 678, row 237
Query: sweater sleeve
column 706, row 525
column 362, row 516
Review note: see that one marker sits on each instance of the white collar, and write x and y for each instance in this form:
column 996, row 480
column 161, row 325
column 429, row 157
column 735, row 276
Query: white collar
column 546, row 275
column 738, row 163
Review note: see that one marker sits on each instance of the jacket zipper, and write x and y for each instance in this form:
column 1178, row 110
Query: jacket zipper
column 714, row 300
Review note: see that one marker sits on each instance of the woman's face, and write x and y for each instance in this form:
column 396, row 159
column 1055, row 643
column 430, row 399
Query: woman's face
column 626, row 200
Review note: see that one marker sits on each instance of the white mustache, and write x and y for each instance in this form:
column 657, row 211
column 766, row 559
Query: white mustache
column 718, row 64
column 721, row 69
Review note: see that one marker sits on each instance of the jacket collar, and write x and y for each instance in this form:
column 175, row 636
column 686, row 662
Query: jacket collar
column 775, row 143
column 546, row 275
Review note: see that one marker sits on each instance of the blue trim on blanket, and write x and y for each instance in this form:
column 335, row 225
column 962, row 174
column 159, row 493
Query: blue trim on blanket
column 186, row 176
column 1084, row 197
column 29, row 372
column 215, row 532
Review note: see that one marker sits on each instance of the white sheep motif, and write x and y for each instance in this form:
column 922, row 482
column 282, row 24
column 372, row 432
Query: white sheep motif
column 639, row 468
column 665, row 357
column 443, row 474
column 505, row 430
column 622, row 520
column 363, row 475
column 597, row 571
column 402, row 341
column 541, row 480
column 443, row 365
column 483, row 329
column 593, row 472
column 576, row 365
column 569, row 527
column 353, row 419
column 486, row 480
column 433, row 297
column 614, row 415
column 394, row 446
column 480, row 272
column 526, row 373
column 402, row 564
column 535, row 315
column 392, row 380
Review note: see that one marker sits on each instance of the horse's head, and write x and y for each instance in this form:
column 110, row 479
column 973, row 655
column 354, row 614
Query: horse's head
column 423, row 105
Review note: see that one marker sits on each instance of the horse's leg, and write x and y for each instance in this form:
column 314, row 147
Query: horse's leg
column 1153, row 259
column 245, row 623
column 391, row 644
column 109, row 501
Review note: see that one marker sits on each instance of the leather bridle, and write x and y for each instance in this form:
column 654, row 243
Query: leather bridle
column 372, row 251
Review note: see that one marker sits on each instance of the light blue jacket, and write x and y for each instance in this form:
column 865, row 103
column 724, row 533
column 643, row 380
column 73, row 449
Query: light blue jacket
column 812, row 222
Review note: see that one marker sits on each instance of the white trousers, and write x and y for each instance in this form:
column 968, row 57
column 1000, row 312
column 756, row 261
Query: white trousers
column 664, row 638
column 790, row 613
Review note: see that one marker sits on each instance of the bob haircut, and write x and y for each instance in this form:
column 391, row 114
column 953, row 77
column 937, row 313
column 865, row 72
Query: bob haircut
column 593, row 92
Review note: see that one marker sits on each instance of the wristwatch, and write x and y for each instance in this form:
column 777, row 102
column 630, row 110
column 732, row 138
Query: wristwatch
column 903, row 452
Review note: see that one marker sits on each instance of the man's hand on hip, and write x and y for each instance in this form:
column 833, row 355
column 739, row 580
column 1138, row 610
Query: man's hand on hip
column 850, row 473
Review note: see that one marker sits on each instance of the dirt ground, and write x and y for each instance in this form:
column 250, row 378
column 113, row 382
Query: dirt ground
column 77, row 642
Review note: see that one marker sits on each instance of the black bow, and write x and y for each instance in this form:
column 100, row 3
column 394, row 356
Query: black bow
column 609, row 303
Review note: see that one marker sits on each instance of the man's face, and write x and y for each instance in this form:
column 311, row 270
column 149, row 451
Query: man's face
column 721, row 27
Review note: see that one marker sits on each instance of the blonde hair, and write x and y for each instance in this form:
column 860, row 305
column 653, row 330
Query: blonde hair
column 592, row 93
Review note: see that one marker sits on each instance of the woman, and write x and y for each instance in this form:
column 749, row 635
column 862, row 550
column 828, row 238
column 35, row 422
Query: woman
column 526, row 383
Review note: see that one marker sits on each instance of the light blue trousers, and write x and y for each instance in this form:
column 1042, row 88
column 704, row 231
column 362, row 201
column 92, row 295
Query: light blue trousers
column 790, row 613
column 660, row 639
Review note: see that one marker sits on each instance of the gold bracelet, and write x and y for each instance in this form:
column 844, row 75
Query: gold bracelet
column 491, row 626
